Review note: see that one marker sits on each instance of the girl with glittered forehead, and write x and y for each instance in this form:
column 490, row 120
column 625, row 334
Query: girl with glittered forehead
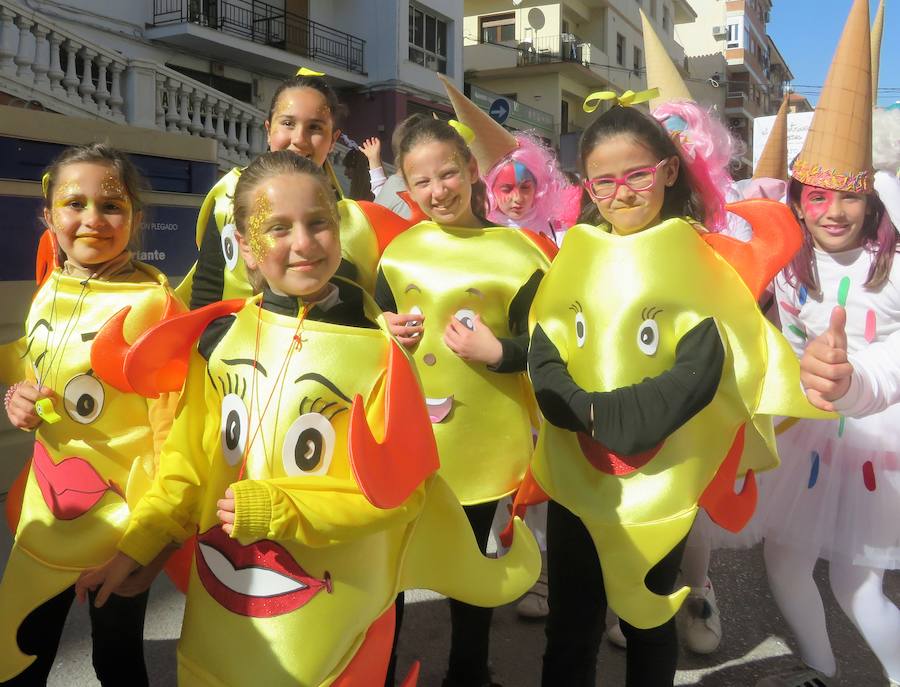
column 96, row 440
column 305, row 117
column 303, row 458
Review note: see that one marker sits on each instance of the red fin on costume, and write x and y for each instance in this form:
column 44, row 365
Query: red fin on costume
column 178, row 567
column 109, row 349
column 726, row 508
column 386, row 223
column 370, row 662
column 776, row 238
column 158, row 360
column 528, row 494
column 543, row 242
column 417, row 214
column 47, row 257
column 388, row 472
column 412, row 677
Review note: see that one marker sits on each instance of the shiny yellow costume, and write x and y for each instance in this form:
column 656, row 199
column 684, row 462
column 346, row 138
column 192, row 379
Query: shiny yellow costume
column 359, row 240
column 330, row 525
column 482, row 419
column 601, row 300
column 92, row 465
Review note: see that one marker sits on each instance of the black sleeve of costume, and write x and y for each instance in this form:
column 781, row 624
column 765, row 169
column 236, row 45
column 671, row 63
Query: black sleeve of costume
column 209, row 277
column 515, row 348
column 636, row 418
column 383, row 294
column 347, row 270
column 213, row 334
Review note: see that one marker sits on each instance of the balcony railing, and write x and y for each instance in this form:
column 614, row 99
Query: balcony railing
column 263, row 23
column 546, row 49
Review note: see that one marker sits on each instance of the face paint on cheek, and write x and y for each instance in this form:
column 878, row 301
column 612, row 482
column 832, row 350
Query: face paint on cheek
column 815, row 202
column 112, row 187
column 260, row 242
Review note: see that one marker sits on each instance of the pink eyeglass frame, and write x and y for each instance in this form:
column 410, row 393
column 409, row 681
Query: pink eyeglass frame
column 623, row 181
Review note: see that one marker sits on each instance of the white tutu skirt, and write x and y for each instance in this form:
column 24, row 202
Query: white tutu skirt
column 837, row 490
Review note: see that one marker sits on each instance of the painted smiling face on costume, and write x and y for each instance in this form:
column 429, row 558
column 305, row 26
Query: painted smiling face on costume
column 514, row 190
column 302, row 122
column 633, row 206
column 291, row 234
column 91, row 213
column 835, row 219
column 440, row 181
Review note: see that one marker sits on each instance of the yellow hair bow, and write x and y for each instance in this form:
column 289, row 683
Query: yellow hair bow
column 45, row 183
column 628, row 98
column 463, row 130
column 305, row 71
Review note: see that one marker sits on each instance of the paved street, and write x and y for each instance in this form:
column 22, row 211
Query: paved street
column 755, row 639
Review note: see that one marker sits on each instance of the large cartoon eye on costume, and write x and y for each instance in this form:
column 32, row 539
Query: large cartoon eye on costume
column 83, row 398
column 467, row 317
column 235, row 427
column 648, row 337
column 308, row 446
column 580, row 329
column 230, row 246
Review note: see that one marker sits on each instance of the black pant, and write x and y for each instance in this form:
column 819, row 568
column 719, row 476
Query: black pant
column 117, row 631
column 577, row 617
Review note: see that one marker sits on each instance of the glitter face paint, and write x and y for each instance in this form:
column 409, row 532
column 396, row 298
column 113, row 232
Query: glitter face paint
column 302, row 122
column 259, row 241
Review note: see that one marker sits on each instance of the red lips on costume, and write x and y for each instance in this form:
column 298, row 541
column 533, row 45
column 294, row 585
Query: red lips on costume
column 71, row 487
column 612, row 463
column 260, row 580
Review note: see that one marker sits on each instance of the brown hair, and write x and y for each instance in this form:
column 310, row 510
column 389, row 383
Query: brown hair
column 419, row 129
column 101, row 154
column 264, row 167
column 317, row 83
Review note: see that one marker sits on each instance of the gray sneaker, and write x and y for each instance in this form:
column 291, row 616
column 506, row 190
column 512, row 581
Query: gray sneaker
column 699, row 624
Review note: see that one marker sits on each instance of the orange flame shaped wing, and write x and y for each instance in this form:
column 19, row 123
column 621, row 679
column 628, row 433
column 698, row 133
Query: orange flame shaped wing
column 776, row 238
column 386, row 223
column 528, row 494
column 726, row 508
column 417, row 214
column 47, row 257
column 158, row 360
column 110, row 349
column 388, row 472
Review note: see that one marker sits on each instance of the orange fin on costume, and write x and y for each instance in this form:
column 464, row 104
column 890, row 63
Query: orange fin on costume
column 386, row 223
column 528, row 494
column 371, row 659
column 110, row 349
column 546, row 245
column 47, row 257
column 776, row 238
column 412, row 677
column 178, row 567
column 417, row 214
column 158, row 361
column 388, row 472
column 726, row 508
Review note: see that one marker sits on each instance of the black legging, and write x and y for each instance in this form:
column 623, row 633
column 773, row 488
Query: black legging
column 577, row 617
column 117, row 631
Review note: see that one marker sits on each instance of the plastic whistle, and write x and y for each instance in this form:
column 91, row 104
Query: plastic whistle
column 44, row 408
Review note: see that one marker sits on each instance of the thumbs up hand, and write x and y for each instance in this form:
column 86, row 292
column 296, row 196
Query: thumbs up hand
column 824, row 368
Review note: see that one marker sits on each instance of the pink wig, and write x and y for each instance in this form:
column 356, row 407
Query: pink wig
column 707, row 148
column 557, row 203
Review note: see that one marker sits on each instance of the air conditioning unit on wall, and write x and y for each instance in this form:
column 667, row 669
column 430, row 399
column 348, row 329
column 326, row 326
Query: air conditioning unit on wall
column 720, row 31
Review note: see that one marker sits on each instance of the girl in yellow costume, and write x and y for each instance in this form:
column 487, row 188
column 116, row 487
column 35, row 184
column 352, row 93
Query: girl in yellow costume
column 656, row 373
column 96, row 440
column 308, row 526
column 456, row 292
column 304, row 118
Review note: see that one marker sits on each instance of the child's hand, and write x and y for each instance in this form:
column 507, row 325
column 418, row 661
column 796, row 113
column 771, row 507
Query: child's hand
column 476, row 345
column 108, row 577
column 20, row 410
column 140, row 580
column 225, row 511
column 407, row 327
column 824, row 369
column 371, row 148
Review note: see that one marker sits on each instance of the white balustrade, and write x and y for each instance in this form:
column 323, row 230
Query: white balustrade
column 43, row 61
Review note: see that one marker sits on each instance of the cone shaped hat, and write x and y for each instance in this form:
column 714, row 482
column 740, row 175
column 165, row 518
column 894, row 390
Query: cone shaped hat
column 773, row 161
column 837, row 153
column 877, row 31
column 492, row 142
column 661, row 71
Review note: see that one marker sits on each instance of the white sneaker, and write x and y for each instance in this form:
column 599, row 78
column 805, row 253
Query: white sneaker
column 534, row 604
column 700, row 625
column 615, row 635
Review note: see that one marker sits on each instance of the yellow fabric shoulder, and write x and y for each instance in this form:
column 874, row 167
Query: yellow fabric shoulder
column 615, row 309
column 481, row 419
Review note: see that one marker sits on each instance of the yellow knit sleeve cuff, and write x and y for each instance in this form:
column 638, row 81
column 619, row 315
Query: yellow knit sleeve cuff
column 142, row 545
column 252, row 510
